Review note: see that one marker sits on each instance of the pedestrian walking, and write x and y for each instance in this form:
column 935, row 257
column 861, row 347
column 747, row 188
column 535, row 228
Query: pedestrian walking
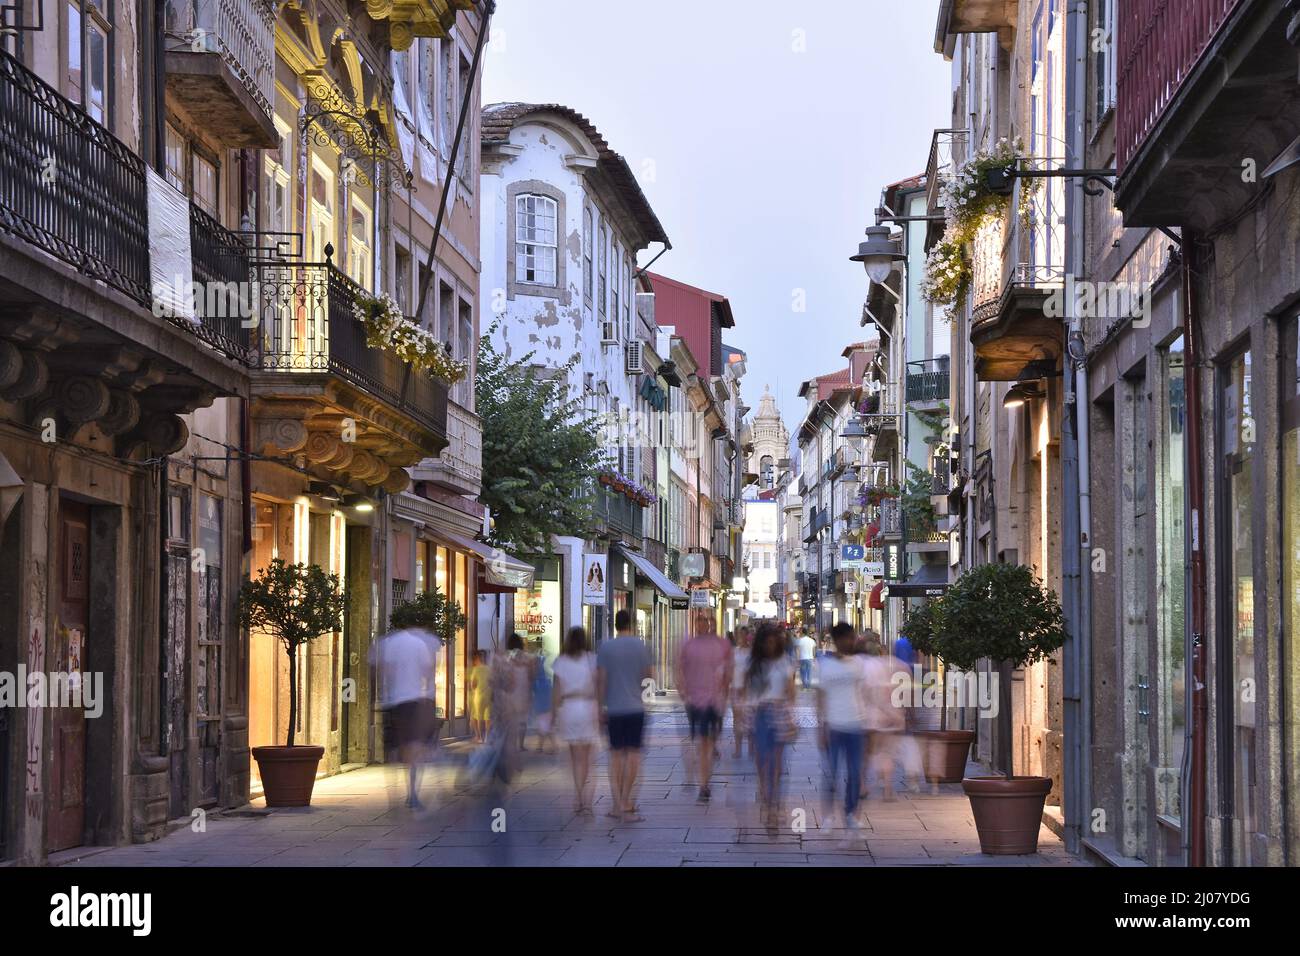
column 703, row 672
column 576, row 717
column 403, row 664
column 622, row 664
column 740, row 716
column 843, row 701
column 886, row 721
column 769, row 688
column 480, row 697
column 511, row 681
column 806, row 649
column 540, row 717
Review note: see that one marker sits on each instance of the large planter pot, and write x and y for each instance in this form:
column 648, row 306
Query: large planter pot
column 945, row 754
column 288, row 773
column 1008, row 812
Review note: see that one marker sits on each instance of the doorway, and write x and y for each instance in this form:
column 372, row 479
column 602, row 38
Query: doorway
column 66, row 822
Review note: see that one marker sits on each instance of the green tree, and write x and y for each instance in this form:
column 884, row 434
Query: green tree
column 432, row 611
column 541, row 450
column 295, row 604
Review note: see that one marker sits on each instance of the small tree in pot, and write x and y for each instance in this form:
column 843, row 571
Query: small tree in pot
column 295, row 604
column 945, row 750
column 1003, row 614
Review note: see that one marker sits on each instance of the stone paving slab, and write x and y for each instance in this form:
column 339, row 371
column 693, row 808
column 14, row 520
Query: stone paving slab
column 359, row 819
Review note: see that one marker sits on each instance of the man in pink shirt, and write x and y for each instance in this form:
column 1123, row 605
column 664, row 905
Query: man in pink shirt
column 704, row 677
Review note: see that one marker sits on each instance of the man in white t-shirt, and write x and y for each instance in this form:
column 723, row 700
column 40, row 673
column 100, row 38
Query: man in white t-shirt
column 843, row 710
column 403, row 668
column 806, row 648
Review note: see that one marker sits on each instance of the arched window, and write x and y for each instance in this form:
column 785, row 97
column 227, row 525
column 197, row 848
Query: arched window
column 535, row 239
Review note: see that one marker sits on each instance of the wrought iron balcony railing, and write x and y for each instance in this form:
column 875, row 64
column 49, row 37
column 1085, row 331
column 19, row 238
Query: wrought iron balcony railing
column 69, row 187
column 307, row 325
column 927, row 380
column 618, row 512
column 945, row 147
column 221, row 267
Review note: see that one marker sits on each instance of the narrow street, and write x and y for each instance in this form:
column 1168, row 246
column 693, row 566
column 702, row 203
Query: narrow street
column 357, row 819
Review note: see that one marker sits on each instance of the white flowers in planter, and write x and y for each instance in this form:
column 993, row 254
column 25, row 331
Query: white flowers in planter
column 386, row 328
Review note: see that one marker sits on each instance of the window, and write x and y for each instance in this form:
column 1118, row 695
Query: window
column 359, row 244
column 276, row 170
column 535, row 239
column 402, row 280
column 1237, row 595
column 602, row 242
column 86, row 52
column 1171, row 564
column 587, row 240
column 446, row 316
column 628, row 298
column 464, row 351
column 205, row 185
column 446, row 115
column 428, row 86
column 614, row 296
column 1104, row 60
column 463, row 160
column 175, row 157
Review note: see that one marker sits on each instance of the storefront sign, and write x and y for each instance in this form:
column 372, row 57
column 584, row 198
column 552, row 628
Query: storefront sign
column 701, row 598
column 595, row 569
column 850, row 587
column 893, row 562
column 852, row 556
column 692, row 564
column 874, row 568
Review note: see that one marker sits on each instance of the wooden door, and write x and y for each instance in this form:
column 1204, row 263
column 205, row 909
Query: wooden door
column 66, row 823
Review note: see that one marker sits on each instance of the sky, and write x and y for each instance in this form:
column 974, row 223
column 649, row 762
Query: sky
column 760, row 131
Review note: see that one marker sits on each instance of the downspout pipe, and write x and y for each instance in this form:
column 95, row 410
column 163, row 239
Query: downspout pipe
column 1075, row 689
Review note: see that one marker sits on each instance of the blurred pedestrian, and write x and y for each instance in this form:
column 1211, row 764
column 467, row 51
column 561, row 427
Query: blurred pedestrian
column 703, row 672
column 806, row 651
column 511, row 681
column 886, row 720
column 622, row 665
column 540, row 717
column 842, row 710
column 769, row 689
column 403, row 666
column 740, row 717
column 480, row 697
column 576, row 715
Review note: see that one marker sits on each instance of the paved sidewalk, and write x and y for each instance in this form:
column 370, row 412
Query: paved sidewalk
column 357, row 819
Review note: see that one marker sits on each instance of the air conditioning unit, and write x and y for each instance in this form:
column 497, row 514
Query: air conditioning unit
column 634, row 359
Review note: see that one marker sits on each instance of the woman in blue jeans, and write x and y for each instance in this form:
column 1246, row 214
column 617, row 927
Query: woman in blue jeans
column 769, row 691
column 842, row 710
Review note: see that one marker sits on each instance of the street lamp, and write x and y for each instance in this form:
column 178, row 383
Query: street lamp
column 878, row 254
column 1020, row 393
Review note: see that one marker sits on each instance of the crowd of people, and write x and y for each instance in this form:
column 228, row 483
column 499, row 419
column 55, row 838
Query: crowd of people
column 584, row 697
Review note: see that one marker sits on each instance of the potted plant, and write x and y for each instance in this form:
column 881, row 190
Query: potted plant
column 1003, row 614
column 295, row 604
column 945, row 750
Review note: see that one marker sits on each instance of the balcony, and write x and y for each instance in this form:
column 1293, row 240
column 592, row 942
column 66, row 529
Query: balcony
column 80, row 340
column 891, row 518
column 927, row 381
column 620, row 515
column 975, row 16
column 357, row 416
column 408, row 19
column 1017, row 266
column 1192, row 77
column 946, row 146
column 459, row 468
column 220, row 61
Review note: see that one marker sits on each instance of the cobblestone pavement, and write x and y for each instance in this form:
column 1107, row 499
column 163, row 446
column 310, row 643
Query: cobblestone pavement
column 358, row 819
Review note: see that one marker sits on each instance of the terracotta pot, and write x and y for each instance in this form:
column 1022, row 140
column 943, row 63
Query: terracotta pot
column 288, row 773
column 945, row 754
column 1008, row 812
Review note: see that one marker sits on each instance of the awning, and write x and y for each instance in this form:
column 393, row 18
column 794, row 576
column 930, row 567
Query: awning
column 876, row 601
column 929, row 580
column 679, row 598
column 501, row 571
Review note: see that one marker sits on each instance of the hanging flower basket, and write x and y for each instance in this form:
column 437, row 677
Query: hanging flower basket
column 386, row 328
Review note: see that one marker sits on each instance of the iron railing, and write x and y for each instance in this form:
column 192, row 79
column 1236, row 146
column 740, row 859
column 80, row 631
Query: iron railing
column 945, row 145
column 1159, row 43
column 927, row 380
column 227, row 309
column 241, row 32
column 69, row 187
column 307, row 325
column 618, row 512
column 891, row 517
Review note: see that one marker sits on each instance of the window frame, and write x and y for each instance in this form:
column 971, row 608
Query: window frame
column 533, row 243
column 90, row 14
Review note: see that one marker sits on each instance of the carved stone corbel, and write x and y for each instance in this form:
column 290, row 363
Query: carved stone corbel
column 123, row 413
column 82, row 398
column 31, row 379
column 281, row 435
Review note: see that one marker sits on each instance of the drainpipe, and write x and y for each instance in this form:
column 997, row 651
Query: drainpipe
column 1196, row 494
column 1075, row 789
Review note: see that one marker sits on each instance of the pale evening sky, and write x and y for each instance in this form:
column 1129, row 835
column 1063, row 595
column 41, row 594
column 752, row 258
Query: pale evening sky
column 763, row 161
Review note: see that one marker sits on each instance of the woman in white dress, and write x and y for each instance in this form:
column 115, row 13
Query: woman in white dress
column 575, row 715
